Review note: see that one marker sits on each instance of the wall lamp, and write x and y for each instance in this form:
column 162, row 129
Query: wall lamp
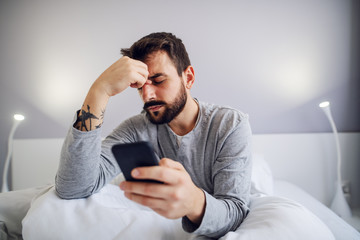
column 339, row 204
column 17, row 120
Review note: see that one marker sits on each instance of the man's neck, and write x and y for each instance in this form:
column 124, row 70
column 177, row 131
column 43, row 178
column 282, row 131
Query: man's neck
column 186, row 120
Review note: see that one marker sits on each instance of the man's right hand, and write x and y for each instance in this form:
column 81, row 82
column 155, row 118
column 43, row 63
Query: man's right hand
column 124, row 73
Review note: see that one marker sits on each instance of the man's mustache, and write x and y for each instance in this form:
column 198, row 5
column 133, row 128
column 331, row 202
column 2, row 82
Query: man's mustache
column 153, row 103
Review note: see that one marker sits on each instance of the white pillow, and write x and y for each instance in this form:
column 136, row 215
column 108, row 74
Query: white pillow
column 104, row 215
column 273, row 217
column 261, row 176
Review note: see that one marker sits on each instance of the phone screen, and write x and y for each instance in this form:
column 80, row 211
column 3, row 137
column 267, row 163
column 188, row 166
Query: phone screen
column 133, row 155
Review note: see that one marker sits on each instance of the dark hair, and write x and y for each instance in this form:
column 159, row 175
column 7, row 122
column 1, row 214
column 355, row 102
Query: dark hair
column 160, row 41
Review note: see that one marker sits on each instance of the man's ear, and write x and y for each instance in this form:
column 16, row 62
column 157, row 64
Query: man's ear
column 189, row 77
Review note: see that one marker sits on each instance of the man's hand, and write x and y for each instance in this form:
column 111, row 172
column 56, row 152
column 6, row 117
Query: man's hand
column 177, row 197
column 123, row 73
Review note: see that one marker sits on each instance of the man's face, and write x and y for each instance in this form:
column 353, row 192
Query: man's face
column 164, row 93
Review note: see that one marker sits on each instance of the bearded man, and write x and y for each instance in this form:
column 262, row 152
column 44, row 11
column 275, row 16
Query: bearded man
column 204, row 149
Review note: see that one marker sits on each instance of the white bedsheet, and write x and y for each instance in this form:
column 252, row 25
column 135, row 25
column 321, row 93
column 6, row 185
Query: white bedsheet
column 109, row 215
column 340, row 229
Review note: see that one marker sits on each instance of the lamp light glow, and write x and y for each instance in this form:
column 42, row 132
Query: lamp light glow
column 324, row 104
column 339, row 204
column 19, row 117
column 17, row 120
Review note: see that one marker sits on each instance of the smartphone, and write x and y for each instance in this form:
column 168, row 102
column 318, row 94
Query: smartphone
column 133, row 155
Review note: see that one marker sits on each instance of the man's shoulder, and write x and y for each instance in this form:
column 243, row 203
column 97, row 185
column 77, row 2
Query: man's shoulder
column 138, row 120
column 222, row 112
column 222, row 120
column 141, row 117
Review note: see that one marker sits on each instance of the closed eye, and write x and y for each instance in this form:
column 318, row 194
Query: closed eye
column 157, row 82
column 153, row 82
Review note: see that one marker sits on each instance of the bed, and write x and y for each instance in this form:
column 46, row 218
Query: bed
column 279, row 210
column 284, row 205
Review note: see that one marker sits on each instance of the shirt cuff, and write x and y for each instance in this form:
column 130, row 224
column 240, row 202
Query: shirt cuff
column 210, row 219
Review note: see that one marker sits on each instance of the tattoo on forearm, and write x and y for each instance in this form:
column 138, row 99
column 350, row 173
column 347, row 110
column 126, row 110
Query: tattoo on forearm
column 84, row 116
column 101, row 118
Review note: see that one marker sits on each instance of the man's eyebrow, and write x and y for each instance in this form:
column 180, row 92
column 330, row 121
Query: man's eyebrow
column 156, row 75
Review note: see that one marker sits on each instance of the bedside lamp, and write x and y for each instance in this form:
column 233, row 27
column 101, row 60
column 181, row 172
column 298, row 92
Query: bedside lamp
column 17, row 120
column 339, row 204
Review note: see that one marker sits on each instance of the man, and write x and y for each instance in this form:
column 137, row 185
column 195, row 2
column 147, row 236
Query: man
column 204, row 149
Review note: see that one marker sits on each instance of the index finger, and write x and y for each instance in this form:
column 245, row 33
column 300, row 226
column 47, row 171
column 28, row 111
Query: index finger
column 142, row 68
column 159, row 173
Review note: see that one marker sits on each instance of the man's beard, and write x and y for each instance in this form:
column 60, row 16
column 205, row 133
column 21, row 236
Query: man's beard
column 171, row 110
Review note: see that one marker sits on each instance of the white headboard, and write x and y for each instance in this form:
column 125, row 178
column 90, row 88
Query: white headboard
column 35, row 162
column 307, row 160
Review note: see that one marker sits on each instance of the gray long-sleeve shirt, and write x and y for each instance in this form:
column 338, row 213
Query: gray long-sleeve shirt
column 216, row 154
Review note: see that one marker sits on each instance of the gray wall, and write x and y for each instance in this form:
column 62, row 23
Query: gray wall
column 275, row 60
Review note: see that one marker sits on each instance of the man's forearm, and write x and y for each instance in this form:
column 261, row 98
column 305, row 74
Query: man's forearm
column 91, row 115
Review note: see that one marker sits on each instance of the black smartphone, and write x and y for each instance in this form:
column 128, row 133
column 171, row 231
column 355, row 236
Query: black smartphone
column 133, row 155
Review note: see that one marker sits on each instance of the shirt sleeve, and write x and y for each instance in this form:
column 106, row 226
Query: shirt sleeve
column 227, row 207
column 86, row 162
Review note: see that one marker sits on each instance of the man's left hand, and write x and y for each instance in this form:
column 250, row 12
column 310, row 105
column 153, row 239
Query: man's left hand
column 177, row 197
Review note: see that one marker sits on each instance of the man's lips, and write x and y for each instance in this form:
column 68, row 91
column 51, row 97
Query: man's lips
column 154, row 108
column 153, row 105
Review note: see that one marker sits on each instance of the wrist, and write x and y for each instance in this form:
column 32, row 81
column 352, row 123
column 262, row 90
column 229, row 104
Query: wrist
column 198, row 209
column 99, row 90
column 97, row 98
column 91, row 115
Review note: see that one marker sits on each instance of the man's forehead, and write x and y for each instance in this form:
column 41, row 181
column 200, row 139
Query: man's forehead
column 157, row 57
column 159, row 63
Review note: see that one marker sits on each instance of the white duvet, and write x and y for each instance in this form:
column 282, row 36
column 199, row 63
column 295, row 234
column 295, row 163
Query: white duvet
column 109, row 215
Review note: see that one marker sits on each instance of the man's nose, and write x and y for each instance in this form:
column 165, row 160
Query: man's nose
column 148, row 91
